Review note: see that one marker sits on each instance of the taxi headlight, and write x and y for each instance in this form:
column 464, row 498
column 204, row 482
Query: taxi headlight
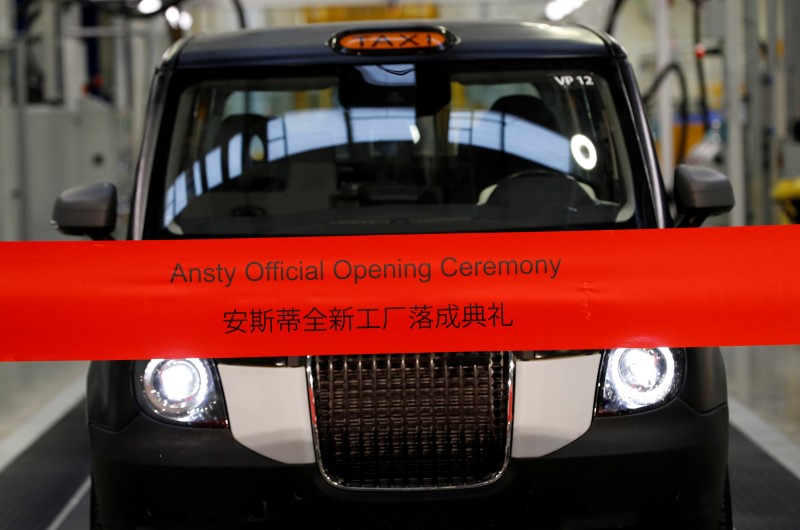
column 636, row 379
column 182, row 391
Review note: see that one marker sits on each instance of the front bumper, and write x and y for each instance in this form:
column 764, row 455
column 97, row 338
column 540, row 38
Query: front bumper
column 659, row 469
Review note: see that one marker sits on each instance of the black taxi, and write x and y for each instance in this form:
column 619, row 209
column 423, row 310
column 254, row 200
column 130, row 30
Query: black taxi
column 405, row 128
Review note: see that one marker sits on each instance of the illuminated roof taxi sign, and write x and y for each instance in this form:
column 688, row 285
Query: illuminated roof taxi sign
column 393, row 42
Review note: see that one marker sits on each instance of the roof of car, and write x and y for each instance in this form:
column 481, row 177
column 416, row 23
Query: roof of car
column 308, row 44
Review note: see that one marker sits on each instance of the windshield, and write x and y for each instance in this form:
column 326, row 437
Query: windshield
column 398, row 148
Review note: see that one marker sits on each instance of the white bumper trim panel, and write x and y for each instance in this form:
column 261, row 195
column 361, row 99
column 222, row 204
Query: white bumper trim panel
column 269, row 412
column 553, row 403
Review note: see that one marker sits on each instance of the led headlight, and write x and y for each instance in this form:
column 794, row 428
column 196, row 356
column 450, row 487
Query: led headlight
column 183, row 391
column 636, row 379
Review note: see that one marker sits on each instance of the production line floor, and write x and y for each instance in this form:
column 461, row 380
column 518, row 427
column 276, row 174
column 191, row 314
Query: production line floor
column 44, row 462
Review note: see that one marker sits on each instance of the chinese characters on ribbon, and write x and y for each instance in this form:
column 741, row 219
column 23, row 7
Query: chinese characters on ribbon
column 342, row 319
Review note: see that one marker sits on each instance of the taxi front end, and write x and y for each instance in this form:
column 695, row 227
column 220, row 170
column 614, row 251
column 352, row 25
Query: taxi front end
column 332, row 131
column 417, row 453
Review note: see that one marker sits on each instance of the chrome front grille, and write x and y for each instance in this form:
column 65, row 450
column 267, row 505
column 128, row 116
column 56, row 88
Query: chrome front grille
column 412, row 421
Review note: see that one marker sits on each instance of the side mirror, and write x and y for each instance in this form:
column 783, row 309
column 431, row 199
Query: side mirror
column 87, row 210
column 701, row 192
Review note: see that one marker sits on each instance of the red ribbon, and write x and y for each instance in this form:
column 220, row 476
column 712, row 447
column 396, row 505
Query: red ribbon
column 392, row 294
